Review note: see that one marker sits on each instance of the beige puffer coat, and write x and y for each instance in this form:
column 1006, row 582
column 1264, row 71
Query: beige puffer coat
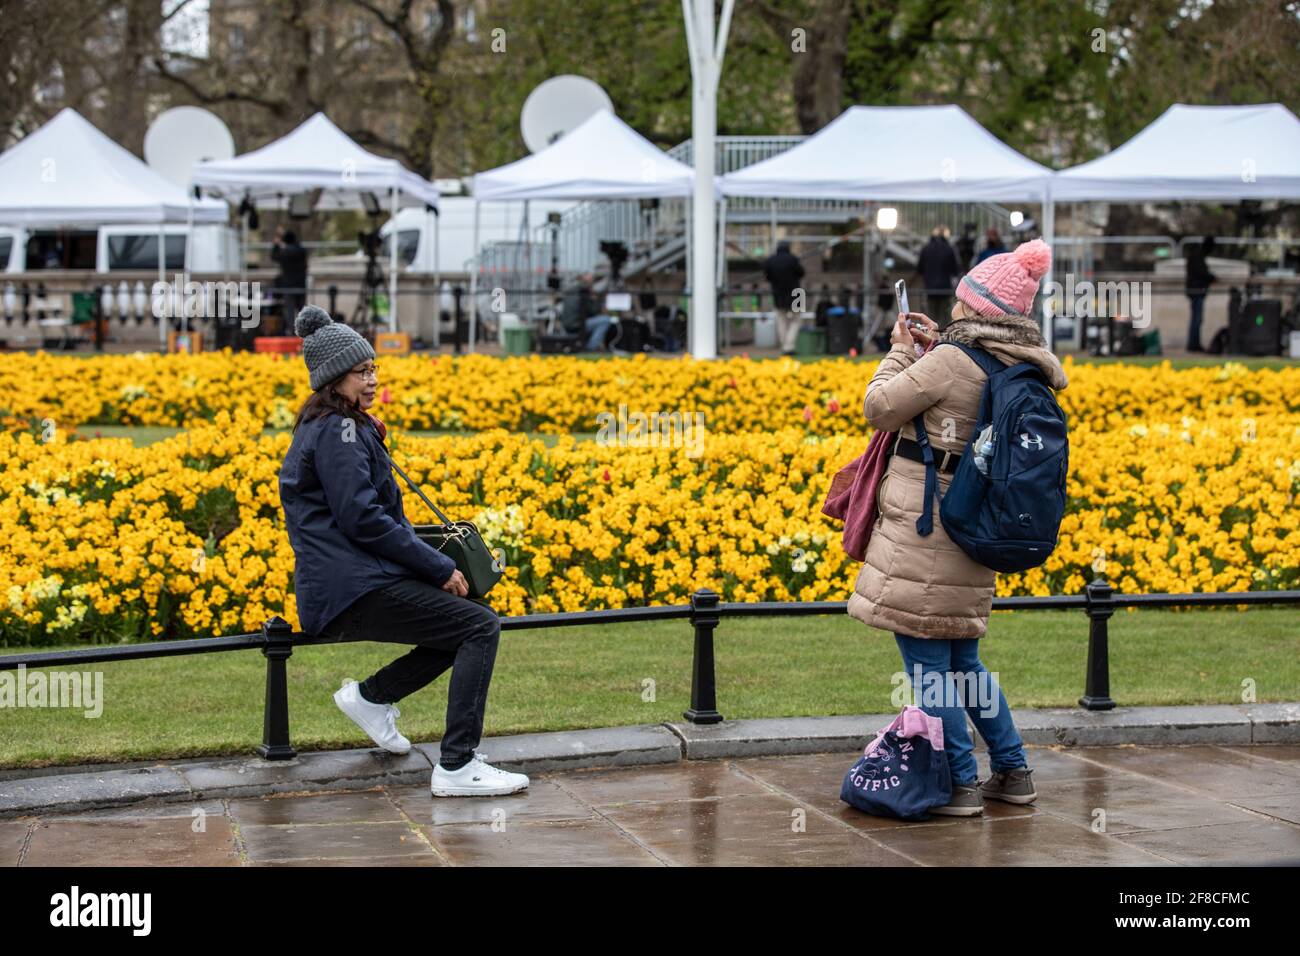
column 929, row 587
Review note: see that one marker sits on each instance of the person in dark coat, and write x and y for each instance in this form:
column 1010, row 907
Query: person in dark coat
column 361, row 572
column 993, row 246
column 939, row 269
column 291, row 283
column 579, row 315
column 784, row 272
column 1199, row 280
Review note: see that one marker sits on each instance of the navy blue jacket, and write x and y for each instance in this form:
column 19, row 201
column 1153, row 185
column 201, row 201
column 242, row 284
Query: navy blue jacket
column 343, row 511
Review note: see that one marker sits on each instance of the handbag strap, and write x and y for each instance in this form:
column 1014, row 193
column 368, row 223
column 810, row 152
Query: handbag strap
column 423, row 497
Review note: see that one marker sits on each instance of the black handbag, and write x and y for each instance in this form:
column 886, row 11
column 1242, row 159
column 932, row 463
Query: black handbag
column 460, row 541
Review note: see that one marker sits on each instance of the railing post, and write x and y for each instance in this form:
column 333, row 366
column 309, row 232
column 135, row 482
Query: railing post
column 1096, row 695
column 704, row 688
column 277, row 637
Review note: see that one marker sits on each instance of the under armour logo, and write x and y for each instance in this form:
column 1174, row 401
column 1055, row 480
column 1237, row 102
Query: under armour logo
column 1027, row 442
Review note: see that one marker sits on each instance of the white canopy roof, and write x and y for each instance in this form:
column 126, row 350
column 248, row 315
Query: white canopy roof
column 1197, row 152
column 898, row 154
column 69, row 174
column 316, row 155
column 604, row 158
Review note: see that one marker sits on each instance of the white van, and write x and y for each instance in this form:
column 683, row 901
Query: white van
column 498, row 222
column 118, row 249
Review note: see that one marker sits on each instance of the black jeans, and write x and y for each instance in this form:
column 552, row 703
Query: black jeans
column 1194, row 326
column 449, row 632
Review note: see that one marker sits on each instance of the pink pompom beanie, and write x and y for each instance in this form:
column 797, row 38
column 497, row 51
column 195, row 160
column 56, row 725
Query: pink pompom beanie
column 1005, row 284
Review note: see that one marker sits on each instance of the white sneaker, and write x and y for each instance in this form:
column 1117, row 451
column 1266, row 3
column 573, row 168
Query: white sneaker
column 378, row 720
column 478, row 778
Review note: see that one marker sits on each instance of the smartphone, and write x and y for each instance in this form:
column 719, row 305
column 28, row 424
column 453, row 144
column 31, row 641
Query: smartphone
column 900, row 296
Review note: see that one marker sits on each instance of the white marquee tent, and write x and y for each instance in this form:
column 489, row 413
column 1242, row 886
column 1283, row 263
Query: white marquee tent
column 320, row 156
column 896, row 154
column 603, row 158
column 1196, row 153
column 69, row 174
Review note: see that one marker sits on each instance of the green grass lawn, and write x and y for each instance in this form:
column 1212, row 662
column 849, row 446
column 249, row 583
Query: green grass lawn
column 570, row 678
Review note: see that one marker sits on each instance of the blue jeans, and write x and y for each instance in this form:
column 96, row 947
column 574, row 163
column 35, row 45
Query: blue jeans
column 959, row 685
column 597, row 325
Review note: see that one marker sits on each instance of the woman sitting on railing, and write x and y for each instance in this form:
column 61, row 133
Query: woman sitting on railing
column 361, row 572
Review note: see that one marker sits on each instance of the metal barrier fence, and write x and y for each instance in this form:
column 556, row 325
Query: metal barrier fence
column 277, row 639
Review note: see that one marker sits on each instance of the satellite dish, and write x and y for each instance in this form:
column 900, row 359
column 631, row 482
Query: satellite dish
column 558, row 106
column 183, row 136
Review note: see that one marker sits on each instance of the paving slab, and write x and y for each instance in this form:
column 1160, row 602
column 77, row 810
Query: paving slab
column 148, row 841
column 574, row 843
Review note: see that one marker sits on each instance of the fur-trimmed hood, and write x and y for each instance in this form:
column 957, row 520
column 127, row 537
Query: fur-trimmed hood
column 1014, row 338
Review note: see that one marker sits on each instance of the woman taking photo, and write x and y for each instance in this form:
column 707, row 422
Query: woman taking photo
column 362, row 574
column 927, row 590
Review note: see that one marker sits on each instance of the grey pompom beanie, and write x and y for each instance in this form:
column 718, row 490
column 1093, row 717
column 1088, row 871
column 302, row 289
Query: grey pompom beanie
column 329, row 348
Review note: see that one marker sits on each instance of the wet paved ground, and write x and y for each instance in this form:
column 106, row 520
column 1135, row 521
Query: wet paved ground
column 1158, row 807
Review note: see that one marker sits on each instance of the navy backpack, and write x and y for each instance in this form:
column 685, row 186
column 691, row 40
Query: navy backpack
column 1007, row 516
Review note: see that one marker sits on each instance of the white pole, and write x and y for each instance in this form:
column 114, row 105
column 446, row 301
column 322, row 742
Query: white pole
column 473, row 282
column 392, row 260
column 162, row 277
column 1049, row 237
column 528, row 260
column 690, row 274
column 189, row 242
column 868, row 244
column 706, row 54
column 437, row 279
column 722, row 242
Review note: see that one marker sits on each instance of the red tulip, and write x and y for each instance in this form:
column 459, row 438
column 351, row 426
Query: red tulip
column 807, row 413
column 605, row 476
column 833, row 406
column 385, row 396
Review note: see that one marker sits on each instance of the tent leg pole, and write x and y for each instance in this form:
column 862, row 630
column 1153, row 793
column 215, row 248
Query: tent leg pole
column 868, row 246
column 528, row 264
column 392, row 261
column 162, row 278
column 473, row 282
column 189, row 244
column 437, row 282
column 1049, row 237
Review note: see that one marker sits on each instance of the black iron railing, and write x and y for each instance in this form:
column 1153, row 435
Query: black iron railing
column 277, row 641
